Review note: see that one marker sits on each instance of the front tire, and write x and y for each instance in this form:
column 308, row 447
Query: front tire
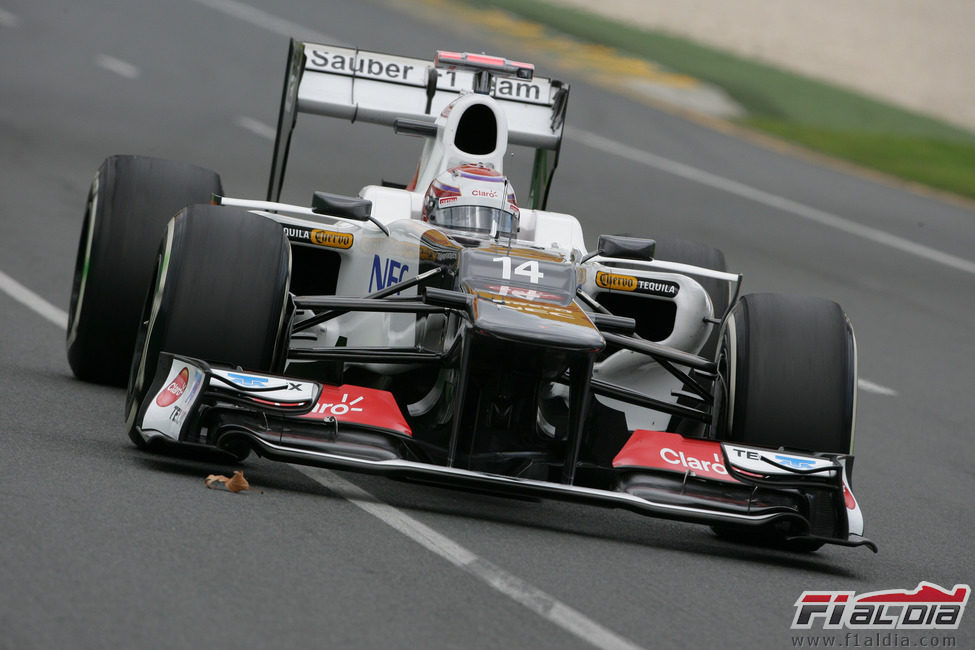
column 221, row 295
column 788, row 370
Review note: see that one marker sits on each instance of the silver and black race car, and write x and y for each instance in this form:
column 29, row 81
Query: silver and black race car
column 353, row 334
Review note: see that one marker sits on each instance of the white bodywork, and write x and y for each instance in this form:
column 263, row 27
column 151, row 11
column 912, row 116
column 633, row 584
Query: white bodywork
column 380, row 88
column 386, row 89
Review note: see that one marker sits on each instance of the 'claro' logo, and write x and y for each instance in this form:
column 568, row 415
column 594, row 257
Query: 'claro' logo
column 175, row 389
column 614, row 281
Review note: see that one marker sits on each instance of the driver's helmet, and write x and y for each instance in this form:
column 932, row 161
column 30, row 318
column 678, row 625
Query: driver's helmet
column 474, row 198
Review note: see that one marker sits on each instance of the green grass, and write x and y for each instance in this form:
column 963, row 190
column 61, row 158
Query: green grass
column 949, row 165
column 817, row 115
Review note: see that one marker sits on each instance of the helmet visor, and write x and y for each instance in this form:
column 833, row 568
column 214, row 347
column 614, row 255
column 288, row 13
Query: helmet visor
column 476, row 218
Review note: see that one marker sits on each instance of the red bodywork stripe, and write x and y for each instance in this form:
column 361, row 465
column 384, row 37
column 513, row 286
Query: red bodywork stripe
column 357, row 405
column 671, row 451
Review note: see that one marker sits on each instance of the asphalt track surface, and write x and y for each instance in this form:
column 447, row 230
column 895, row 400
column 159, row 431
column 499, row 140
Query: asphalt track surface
column 105, row 546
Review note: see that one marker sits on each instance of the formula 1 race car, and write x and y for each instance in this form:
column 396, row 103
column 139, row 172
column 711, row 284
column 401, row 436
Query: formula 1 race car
column 439, row 332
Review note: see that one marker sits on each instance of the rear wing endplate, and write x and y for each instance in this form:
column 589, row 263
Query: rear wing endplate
column 381, row 88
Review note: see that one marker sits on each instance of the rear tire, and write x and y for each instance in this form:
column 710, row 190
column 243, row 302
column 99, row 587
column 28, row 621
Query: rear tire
column 130, row 201
column 221, row 295
column 695, row 253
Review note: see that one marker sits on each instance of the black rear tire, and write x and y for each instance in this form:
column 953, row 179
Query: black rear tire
column 221, row 295
column 130, row 201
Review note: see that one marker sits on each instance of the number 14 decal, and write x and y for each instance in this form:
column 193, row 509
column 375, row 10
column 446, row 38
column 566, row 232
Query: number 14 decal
column 528, row 269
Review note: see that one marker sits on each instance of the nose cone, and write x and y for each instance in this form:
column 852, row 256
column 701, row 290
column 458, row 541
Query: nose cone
column 535, row 323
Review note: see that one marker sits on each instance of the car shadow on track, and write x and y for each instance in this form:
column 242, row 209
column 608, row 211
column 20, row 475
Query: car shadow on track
column 614, row 526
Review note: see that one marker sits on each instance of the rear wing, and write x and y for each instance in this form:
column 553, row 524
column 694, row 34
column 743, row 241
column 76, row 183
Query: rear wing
column 381, row 88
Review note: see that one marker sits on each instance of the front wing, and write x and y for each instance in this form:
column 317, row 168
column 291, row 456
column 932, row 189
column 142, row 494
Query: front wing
column 192, row 403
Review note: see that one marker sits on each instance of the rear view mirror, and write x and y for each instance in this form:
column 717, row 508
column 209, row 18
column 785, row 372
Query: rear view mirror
column 349, row 207
column 631, row 248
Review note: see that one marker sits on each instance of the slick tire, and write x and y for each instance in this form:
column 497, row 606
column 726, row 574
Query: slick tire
column 220, row 294
column 787, row 366
column 130, row 201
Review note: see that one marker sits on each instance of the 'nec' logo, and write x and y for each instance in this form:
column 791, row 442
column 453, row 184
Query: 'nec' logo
column 383, row 276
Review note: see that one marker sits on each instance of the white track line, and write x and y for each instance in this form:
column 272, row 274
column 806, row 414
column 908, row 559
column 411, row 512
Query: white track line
column 264, row 20
column 256, row 127
column 871, row 387
column 22, row 294
column 771, row 200
column 8, row 19
column 513, row 587
column 118, row 66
